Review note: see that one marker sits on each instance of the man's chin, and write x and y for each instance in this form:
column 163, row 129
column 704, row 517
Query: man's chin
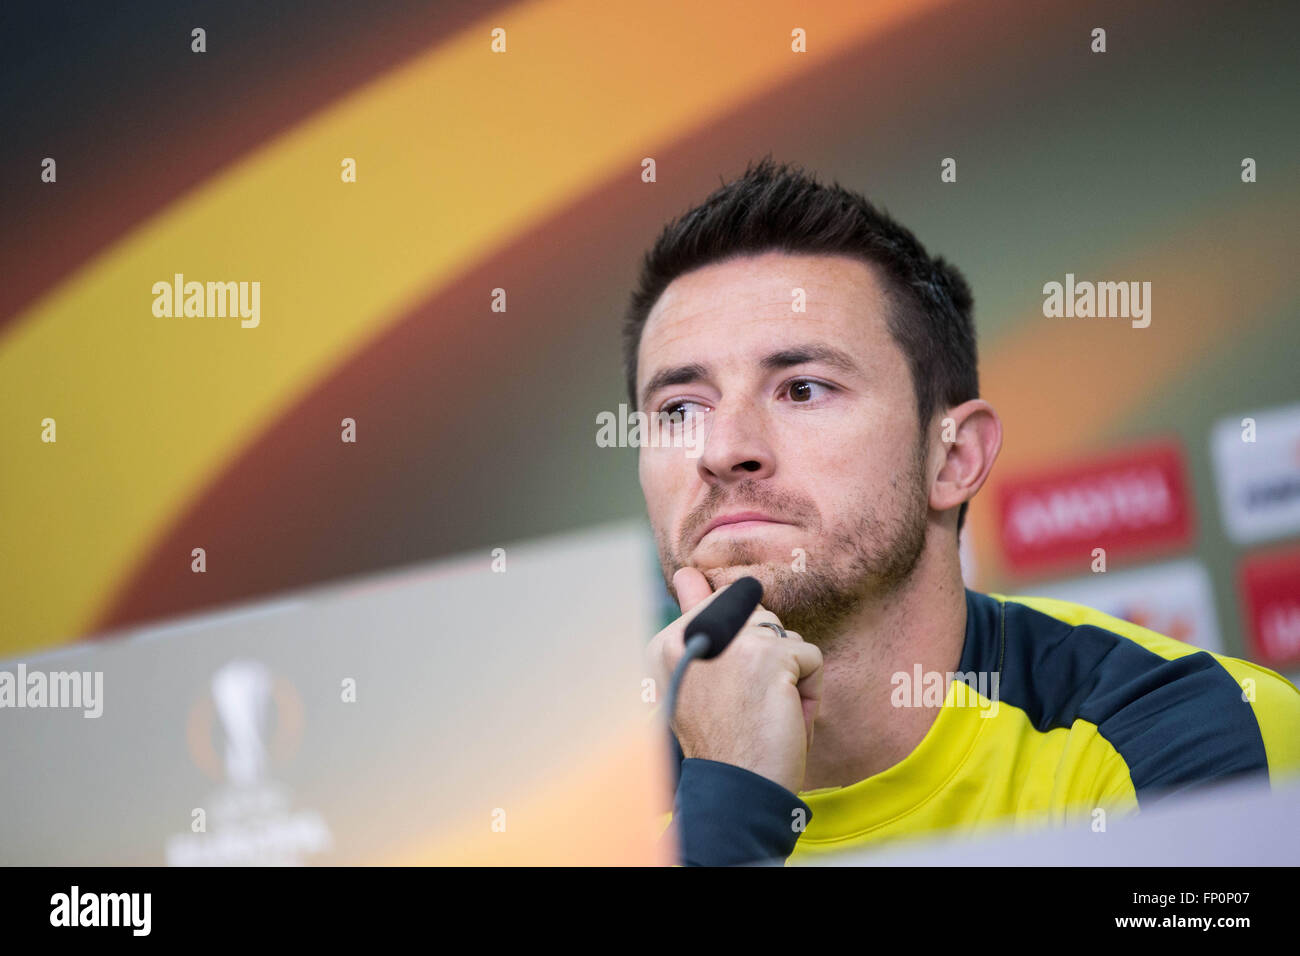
column 721, row 577
column 804, row 602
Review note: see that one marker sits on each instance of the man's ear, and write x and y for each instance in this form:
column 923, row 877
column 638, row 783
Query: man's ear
column 970, row 437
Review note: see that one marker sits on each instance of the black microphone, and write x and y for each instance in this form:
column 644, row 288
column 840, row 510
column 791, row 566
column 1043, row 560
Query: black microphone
column 725, row 616
column 710, row 631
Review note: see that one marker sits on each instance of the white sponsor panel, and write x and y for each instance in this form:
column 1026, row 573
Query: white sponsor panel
column 1174, row 599
column 1259, row 479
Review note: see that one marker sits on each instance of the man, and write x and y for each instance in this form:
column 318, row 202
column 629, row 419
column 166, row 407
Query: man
column 843, row 442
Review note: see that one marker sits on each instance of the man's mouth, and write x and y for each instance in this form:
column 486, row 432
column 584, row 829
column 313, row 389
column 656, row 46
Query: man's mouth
column 738, row 521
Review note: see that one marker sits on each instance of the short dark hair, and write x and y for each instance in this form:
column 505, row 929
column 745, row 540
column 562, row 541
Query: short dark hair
column 779, row 207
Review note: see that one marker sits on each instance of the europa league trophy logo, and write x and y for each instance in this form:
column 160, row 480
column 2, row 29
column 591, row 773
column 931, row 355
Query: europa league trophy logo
column 242, row 693
column 250, row 722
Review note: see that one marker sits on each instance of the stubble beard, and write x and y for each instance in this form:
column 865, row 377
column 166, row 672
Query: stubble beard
column 862, row 564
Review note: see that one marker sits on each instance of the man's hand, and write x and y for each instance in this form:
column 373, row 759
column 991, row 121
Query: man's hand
column 752, row 706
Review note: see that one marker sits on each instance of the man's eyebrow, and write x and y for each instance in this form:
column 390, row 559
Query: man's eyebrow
column 673, row 375
column 800, row 354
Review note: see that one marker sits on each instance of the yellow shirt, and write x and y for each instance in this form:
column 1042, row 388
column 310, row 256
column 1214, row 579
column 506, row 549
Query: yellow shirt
column 1058, row 714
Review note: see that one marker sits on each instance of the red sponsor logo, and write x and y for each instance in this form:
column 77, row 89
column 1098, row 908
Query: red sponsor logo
column 1132, row 502
column 1270, row 598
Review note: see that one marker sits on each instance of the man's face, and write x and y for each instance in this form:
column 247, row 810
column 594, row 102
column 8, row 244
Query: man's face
column 809, row 418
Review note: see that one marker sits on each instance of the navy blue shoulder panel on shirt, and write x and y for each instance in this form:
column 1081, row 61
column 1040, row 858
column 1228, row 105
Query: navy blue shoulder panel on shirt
column 1176, row 723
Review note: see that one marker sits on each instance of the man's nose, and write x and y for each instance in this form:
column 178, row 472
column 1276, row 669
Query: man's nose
column 736, row 447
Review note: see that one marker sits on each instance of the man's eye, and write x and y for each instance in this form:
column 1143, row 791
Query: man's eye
column 676, row 412
column 805, row 390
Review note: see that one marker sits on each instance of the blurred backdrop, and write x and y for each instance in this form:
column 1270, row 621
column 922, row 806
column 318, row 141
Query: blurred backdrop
column 1169, row 158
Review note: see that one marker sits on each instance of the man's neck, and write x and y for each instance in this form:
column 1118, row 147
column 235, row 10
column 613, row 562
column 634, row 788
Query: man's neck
column 858, row 733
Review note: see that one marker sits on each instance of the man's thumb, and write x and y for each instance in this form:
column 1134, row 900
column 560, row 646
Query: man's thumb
column 692, row 588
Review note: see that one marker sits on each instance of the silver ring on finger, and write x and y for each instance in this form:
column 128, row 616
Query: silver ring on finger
column 780, row 631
